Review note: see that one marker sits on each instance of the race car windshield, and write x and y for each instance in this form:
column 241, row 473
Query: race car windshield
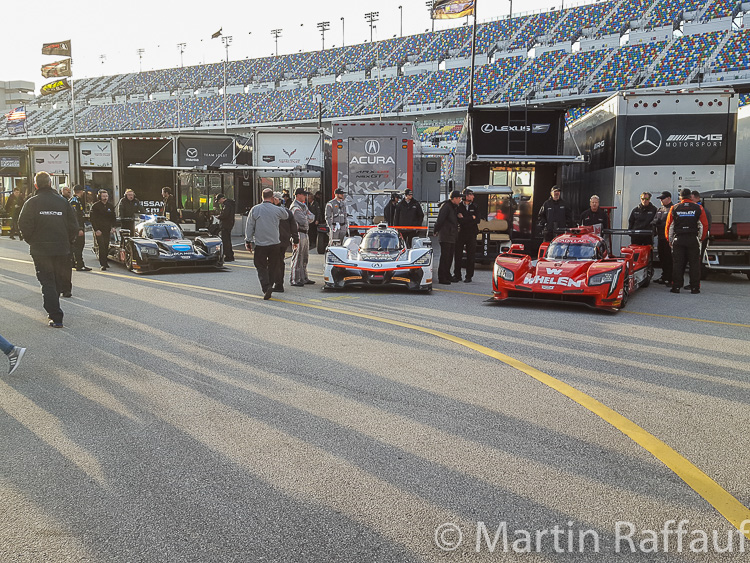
column 567, row 251
column 380, row 241
column 163, row 232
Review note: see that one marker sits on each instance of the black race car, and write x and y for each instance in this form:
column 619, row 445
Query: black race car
column 158, row 244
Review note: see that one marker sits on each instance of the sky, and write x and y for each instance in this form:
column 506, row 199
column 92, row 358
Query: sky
column 106, row 36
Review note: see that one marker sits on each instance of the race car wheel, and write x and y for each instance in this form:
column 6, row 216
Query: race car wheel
column 649, row 273
column 129, row 260
column 322, row 243
column 625, row 292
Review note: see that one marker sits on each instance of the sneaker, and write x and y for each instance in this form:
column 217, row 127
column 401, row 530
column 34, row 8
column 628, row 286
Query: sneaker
column 467, row 280
column 12, row 237
column 674, row 290
column 84, row 269
column 695, row 290
column 267, row 293
column 15, row 358
column 278, row 289
column 103, row 268
column 298, row 284
column 67, row 294
column 53, row 324
column 688, row 286
column 456, row 278
column 309, row 282
column 444, row 282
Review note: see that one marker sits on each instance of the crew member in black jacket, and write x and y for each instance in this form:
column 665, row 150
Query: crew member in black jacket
column 665, row 250
column 226, row 219
column 468, row 221
column 446, row 229
column 554, row 214
column 594, row 215
column 389, row 213
column 103, row 222
column 13, row 207
column 409, row 214
column 127, row 208
column 641, row 218
column 49, row 225
column 77, row 202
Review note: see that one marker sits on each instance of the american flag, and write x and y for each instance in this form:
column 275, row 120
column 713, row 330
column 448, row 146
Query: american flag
column 18, row 114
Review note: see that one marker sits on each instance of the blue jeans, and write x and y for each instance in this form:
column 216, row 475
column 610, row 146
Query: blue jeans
column 5, row 346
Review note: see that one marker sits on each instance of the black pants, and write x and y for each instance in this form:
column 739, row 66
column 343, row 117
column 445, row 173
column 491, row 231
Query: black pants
column 468, row 241
column 226, row 242
column 266, row 260
column 665, row 257
column 408, row 237
column 686, row 249
column 14, row 226
column 77, row 252
column 447, row 252
column 51, row 271
column 102, row 242
column 129, row 224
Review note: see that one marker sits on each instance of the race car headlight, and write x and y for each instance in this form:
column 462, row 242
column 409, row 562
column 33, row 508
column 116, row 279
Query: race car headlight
column 611, row 278
column 423, row 260
column 149, row 251
column 504, row 273
column 331, row 258
column 214, row 249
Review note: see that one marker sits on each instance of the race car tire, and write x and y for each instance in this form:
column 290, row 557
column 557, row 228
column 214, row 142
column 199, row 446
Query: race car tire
column 129, row 260
column 625, row 292
column 649, row 273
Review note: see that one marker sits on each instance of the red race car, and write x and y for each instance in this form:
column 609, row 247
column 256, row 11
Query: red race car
column 576, row 266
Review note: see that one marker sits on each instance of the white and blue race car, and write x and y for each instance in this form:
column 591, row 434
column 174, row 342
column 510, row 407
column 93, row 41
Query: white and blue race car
column 379, row 258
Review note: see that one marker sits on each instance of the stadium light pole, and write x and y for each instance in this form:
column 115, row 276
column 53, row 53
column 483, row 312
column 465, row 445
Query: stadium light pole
column 227, row 40
column 181, row 47
column 429, row 5
column 140, row 52
column 401, row 21
column 343, row 43
column 371, row 18
column 323, row 27
column 276, row 34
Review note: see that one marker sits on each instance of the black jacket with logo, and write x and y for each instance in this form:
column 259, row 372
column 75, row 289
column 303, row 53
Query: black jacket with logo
column 103, row 217
column 468, row 224
column 127, row 209
column 555, row 215
column 598, row 217
column 79, row 209
column 408, row 214
column 48, row 224
column 226, row 217
column 642, row 216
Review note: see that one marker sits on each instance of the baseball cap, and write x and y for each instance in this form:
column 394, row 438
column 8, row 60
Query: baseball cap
column 555, row 189
column 407, row 191
column 219, row 197
column 455, row 193
column 339, row 191
column 278, row 195
column 299, row 191
column 468, row 191
column 664, row 195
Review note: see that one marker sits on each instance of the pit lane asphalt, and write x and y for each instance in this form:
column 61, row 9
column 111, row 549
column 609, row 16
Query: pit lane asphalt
column 172, row 423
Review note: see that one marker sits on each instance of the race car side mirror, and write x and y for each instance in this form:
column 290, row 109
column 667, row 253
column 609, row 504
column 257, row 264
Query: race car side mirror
column 516, row 248
column 543, row 250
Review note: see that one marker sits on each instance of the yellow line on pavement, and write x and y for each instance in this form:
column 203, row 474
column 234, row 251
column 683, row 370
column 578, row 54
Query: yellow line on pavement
column 727, row 505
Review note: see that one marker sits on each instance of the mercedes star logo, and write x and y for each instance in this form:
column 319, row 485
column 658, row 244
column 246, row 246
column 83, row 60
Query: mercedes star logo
column 192, row 152
column 645, row 140
column 372, row 147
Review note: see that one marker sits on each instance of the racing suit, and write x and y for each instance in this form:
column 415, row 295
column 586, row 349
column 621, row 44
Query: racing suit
column 338, row 224
column 301, row 253
column 48, row 225
column 686, row 227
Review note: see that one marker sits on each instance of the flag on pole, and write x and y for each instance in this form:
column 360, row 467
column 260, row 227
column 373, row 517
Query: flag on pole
column 16, row 121
column 61, row 48
column 451, row 9
column 59, row 68
column 56, row 86
column 18, row 114
column 217, row 34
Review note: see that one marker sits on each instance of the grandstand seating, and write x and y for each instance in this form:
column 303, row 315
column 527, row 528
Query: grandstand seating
column 682, row 57
column 133, row 99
